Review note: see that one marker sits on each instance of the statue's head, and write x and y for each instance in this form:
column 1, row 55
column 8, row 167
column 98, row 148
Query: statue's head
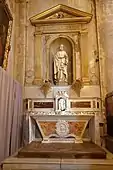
column 61, row 47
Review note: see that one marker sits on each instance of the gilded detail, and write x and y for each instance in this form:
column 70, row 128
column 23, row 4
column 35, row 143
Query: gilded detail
column 7, row 47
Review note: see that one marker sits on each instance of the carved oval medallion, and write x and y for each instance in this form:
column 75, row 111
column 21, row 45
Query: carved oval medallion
column 62, row 128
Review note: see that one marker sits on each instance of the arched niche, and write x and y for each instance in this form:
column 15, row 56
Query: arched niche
column 54, row 47
column 64, row 23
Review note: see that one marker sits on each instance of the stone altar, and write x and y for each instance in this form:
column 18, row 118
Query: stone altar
column 61, row 118
column 66, row 120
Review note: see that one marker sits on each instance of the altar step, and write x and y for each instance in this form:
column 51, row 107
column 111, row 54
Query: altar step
column 86, row 150
column 29, row 158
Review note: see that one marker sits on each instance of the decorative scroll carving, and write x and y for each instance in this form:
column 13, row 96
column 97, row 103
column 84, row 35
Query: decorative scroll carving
column 76, row 86
column 46, row 86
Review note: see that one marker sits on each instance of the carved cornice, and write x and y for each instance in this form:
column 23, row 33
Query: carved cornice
column 64, row 20
column 61, row 14
column 57, row 113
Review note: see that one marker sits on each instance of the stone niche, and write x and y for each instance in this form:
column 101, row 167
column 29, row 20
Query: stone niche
column 61, row 25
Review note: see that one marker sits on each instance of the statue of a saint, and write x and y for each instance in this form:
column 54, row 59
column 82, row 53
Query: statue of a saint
column 60, row 66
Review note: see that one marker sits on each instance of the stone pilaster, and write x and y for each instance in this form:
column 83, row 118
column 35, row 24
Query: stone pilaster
column 38, row 59
column 84, row 56
column 20, row 40
column 104, row 50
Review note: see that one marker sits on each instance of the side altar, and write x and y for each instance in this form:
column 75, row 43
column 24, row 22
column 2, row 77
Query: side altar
column 62, row 119
column 62, row 90
column 63, row 100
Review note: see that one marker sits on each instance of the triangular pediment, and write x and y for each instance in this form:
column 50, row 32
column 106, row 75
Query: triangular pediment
column 61, row 13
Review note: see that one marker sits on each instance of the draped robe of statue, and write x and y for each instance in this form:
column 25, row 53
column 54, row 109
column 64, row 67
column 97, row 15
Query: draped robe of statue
column 60, row 66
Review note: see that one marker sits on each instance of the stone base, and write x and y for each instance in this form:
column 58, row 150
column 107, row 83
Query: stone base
column 60, row 162
column 62, row 150
column 56, row 164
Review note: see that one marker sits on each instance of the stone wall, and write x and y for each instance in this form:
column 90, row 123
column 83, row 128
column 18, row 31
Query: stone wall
column 105, row 35
column 20, row 40
column 16, row 55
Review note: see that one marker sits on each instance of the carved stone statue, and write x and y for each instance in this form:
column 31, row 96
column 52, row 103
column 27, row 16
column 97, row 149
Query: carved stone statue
column 60, row 66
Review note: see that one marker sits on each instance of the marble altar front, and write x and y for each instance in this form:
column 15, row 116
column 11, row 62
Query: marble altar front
column 62, row 119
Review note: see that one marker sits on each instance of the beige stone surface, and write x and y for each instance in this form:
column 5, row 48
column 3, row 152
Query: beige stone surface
column 56, row 164
column 86, row 164
column 86, row 91
column 105, row 40
column 32, row 163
